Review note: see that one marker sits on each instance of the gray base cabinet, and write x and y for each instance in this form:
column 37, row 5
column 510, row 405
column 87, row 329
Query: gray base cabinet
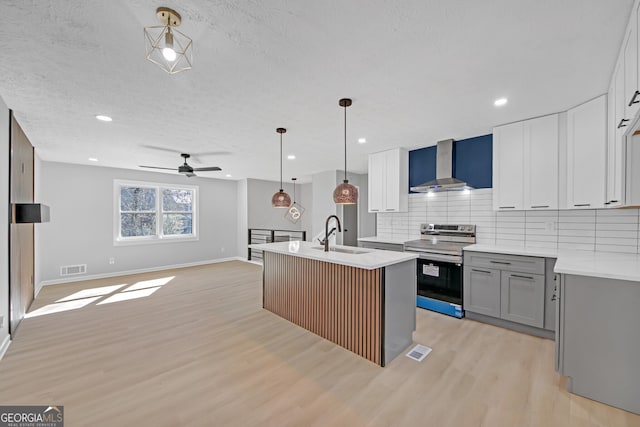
column 598, row 339
column 522, row 298
column 481, row 290
column 513, row 288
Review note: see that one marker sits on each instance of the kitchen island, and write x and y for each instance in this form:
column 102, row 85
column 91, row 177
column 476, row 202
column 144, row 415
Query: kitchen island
column 361, row 299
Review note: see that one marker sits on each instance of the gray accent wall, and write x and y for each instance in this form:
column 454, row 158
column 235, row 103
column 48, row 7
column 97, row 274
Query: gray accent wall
column 81, row 230
column 262, row 215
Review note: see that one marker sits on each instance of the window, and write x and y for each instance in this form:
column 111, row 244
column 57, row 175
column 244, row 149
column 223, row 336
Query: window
column 147, row 212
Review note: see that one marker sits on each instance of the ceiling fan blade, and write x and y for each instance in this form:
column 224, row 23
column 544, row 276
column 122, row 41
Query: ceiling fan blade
column 156, row 167
column 208, row 169
column 155, row 147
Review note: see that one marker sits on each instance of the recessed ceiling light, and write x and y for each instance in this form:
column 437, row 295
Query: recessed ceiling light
column 228, row 175
column 93, row 159
column 362, row 140
column 500, row 102
column 291, row 157
column 103, row 118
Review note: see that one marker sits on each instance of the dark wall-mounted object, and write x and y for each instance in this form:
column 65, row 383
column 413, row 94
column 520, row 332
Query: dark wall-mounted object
column 29, row 213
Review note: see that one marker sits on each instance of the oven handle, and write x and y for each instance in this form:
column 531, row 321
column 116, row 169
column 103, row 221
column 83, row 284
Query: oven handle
column 426, row 256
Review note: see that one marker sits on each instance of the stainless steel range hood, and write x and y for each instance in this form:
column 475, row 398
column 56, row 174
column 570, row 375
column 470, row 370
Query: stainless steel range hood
column 444, row 172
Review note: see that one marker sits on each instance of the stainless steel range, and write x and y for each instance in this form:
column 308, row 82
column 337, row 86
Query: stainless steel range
column 440, row 265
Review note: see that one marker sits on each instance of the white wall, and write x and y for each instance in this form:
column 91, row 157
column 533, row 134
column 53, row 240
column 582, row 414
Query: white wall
column 323, row 184
column 262, row 215
column 4, row 227
column 242, row 214
column 81, row 227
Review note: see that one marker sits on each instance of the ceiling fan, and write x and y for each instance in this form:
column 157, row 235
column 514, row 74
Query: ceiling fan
column 185, row 168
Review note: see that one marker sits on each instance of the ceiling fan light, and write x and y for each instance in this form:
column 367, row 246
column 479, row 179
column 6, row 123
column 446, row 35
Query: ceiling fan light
column 280, row 200
column 345, row 194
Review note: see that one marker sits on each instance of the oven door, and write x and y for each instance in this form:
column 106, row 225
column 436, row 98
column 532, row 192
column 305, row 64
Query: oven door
column 440, row 280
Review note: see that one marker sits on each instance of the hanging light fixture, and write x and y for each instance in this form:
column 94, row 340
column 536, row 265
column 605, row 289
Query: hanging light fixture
column 295, row 211
column 345, row 193
column 281, row 199
column 167, row 47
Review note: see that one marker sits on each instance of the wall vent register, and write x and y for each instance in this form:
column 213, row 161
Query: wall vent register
column 70, row 270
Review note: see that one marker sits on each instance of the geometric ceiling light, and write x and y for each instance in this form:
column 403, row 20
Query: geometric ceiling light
column 281, row 199
column 295, row 211
column 345, row 193
column 167, row 47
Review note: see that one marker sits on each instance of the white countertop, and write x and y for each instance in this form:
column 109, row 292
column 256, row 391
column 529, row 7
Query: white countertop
column 376, row 239
column 607, row 265
column 369, row 260
column 513, row 250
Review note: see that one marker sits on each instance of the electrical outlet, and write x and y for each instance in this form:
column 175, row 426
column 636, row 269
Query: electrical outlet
column 112, row 260
column 1, row 322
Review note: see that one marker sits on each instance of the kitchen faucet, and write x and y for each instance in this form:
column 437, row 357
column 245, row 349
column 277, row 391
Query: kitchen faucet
column 328, row 233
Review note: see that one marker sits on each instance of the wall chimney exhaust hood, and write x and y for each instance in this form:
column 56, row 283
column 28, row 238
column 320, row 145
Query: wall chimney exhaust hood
column 444, row 172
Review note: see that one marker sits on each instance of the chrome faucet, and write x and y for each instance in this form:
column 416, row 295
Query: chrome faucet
column 327, row 233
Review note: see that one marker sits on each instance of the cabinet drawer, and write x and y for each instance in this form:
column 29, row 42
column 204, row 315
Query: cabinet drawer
column 523, row 264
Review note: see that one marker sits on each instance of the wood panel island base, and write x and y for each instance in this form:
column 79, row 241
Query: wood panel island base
column 364, row 301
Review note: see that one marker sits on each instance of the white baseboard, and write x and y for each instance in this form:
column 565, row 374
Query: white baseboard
column 4, row 346
column 127, row 272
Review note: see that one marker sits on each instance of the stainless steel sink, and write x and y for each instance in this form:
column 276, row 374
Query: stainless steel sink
column 343, row 250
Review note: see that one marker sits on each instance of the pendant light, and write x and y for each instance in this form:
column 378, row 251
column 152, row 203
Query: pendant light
column 167, row 47
column 281, row 199
column 345, row 193
column 295, row 211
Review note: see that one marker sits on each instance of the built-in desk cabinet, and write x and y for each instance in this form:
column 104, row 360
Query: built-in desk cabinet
column 518, row 290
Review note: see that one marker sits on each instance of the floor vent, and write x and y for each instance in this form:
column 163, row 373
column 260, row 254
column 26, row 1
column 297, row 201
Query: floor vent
column 69, row 270
column 418, row 353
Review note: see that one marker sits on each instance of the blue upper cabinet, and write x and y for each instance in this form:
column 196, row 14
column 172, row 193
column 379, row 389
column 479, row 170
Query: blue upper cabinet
column 472, row 162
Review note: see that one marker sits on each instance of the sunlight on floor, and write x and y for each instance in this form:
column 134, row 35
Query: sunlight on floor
column 149, row 284
column 93, row 292
column 82, row 298
column 124, row 296
column 61, row 306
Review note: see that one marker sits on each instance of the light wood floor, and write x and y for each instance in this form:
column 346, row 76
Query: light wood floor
column 200, row 351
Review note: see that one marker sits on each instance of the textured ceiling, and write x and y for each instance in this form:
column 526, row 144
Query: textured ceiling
column 417, row 70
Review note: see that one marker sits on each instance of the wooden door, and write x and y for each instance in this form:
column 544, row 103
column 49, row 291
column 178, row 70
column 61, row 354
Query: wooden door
column 21, row 250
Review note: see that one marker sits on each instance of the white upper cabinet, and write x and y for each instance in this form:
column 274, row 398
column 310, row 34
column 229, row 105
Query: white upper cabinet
column 525, row 165
column 615, row 139
column 631, row 98
column 508, row 160
column 389, row 181
column 541, row 163
column 586, row 154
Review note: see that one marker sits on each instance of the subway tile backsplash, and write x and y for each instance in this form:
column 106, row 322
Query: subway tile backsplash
column 609, row 230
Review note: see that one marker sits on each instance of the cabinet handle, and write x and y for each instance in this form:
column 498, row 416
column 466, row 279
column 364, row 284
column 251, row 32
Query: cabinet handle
column 480, row 271
column 522, row 277
column 506, row 207
column 607, row 203
column 615, row 201
column 539, row 206
column 500, row 262
column 633, row 100
column 390, row 209
column 375, row 210
column 583, row 204
column 622, row 123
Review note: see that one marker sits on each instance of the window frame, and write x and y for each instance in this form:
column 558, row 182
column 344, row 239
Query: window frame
column 158, row 237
